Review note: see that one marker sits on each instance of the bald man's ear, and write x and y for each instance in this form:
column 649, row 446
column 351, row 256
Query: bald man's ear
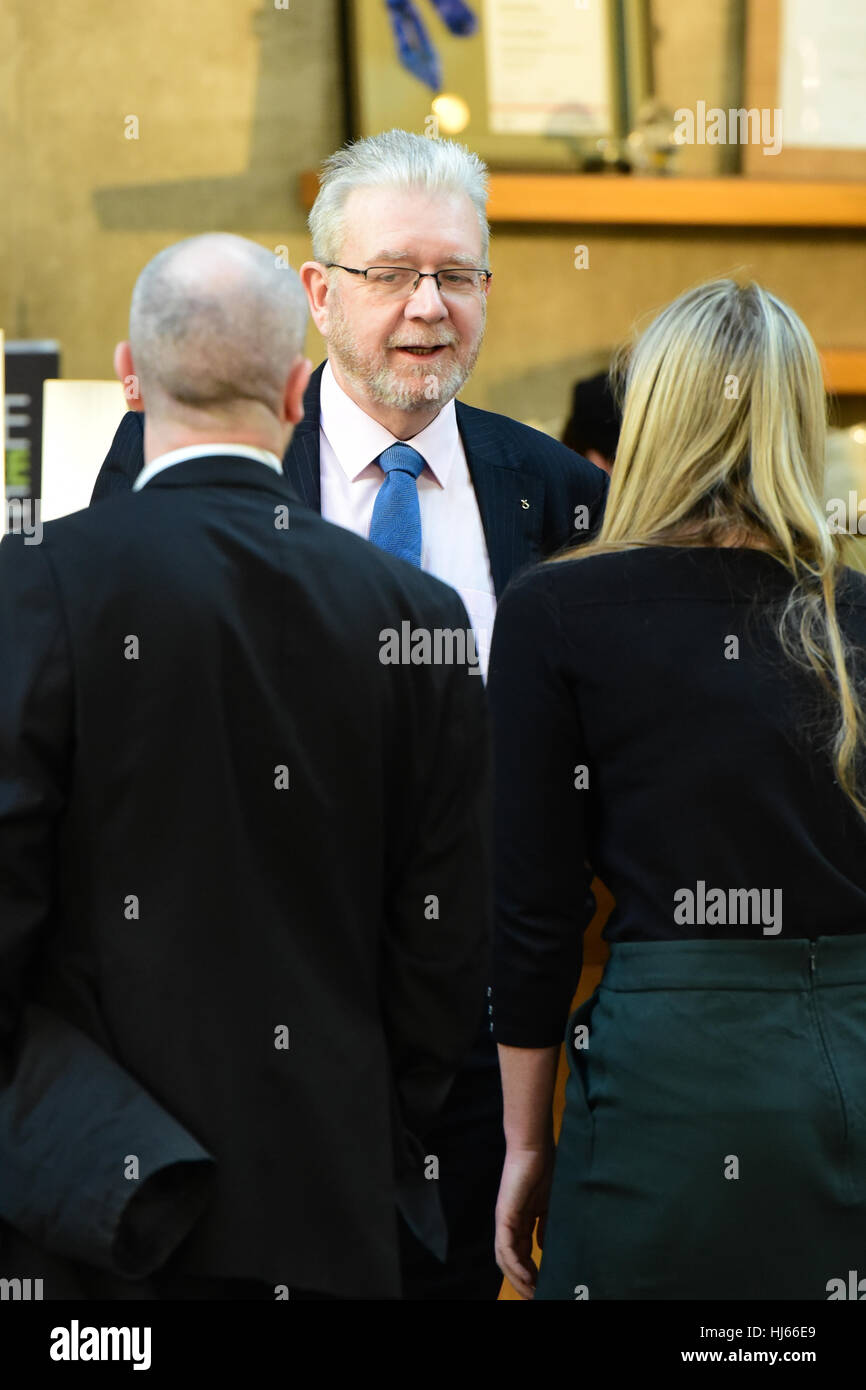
column 128, row 377
column 296, row 385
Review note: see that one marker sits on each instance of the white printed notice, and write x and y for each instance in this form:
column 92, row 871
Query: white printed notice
column 822, row 79
column 548, row 67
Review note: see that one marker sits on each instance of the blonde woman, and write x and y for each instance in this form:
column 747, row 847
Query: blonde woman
column 677, row 709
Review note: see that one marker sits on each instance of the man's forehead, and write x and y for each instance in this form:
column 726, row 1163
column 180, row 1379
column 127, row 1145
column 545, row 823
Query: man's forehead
column 402, row 224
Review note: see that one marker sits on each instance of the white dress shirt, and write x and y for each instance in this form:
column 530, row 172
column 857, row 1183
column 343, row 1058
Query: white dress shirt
column 195, row 451
column 453, row 547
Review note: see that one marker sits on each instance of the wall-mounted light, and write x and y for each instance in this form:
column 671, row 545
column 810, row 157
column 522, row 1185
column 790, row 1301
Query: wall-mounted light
column 452, row 113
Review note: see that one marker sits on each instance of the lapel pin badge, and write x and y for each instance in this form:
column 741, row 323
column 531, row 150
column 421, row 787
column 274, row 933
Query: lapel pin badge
column 524, row 504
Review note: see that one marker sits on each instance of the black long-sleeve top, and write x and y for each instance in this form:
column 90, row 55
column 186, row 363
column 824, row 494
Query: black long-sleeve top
column 649, row 729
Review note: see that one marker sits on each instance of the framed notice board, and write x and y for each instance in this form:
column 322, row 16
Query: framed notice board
column 809, row 61
column 537, row 85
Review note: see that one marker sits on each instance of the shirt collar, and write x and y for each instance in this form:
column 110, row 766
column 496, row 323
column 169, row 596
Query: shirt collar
column 357, row 439
column 196, row 451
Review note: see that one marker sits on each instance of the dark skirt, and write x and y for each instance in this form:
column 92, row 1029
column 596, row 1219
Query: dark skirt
column 714, row 1138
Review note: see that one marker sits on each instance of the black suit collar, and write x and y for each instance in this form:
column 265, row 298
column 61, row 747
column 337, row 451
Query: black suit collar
column 510, row 498
column 227, row 470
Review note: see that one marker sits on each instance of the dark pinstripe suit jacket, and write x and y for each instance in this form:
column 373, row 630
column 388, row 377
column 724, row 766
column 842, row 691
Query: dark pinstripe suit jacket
column 530, row 488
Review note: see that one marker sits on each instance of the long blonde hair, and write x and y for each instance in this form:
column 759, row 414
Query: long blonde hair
column 723, row 442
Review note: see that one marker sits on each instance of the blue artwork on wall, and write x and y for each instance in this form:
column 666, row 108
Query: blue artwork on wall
column 412, row 41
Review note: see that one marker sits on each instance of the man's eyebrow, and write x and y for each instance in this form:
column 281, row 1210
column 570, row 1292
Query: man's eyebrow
column 389, row 257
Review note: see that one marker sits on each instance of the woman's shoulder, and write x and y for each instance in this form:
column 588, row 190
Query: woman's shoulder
column 852, row 587
column 653, row 574
column 650, row 573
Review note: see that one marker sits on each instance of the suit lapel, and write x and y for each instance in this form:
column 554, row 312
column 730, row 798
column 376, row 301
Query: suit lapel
column 301, row 459
column 510, row 499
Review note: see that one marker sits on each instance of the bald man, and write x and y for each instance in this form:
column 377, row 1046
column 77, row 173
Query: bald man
column 243, row 854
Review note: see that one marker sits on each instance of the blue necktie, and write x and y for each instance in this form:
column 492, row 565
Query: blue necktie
column 396, row 523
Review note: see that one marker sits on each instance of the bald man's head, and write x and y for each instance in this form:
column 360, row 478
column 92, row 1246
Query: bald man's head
column 215, row 323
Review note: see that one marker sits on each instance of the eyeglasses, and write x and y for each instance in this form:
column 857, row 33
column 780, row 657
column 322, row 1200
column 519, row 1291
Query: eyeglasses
column 401, row 282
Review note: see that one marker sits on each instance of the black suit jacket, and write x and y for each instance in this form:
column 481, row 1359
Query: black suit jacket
column 167, row 905
column 535, row 495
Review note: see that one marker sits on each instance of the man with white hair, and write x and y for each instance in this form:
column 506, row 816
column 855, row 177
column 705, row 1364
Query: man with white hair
column 228, row 1008
column 398, row 289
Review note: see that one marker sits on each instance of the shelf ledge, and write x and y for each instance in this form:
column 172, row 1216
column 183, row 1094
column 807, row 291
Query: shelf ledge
column 629, row 200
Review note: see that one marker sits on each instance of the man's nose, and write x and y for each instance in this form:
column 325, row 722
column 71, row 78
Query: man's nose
column 426, row 302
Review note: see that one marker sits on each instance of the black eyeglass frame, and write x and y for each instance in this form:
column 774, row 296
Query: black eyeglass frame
column 419, row 274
